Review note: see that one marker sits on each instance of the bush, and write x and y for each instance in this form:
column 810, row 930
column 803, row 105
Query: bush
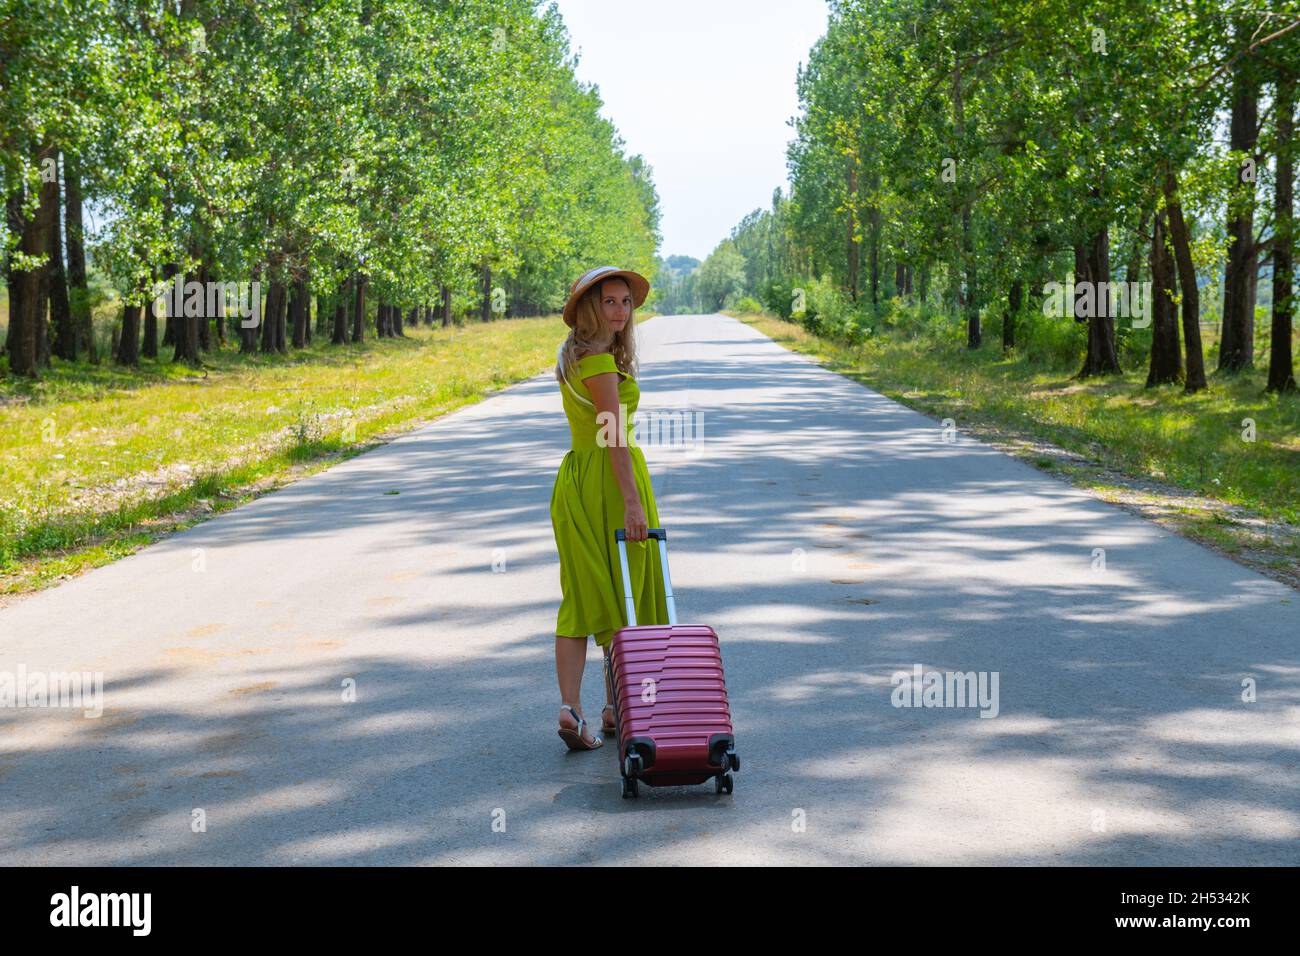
column 778, row 297
column 830, row 313
column 1058, row 343
column 911, row 320
column 924, row 323
column 748, row 304
column 1134, row 345
column 824, row 307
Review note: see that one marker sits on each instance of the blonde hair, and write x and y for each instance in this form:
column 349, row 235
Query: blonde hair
column 587, row 335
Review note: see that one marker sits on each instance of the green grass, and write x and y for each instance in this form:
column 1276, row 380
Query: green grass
column 96, row 461
column 1193, row 442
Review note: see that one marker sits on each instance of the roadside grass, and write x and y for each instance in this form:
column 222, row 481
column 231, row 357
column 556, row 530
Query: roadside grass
column 1197, row 444
column 97, row 461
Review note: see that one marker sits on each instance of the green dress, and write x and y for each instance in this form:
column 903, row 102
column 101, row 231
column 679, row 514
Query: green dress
column 587, row 507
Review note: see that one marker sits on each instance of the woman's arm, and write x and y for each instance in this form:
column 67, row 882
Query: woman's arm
column 604, row 393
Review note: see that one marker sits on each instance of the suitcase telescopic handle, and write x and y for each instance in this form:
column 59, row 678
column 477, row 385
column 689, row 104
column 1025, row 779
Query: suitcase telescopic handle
column 620, row 535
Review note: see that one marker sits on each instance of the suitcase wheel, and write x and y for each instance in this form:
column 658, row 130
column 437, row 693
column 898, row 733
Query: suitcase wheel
column 723, row 783
column 632, row 766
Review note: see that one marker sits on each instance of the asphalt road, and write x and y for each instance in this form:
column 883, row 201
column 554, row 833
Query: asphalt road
column 831, row 536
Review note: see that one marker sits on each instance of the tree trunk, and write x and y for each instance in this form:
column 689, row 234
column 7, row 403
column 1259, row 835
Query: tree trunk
column 171, row 331
column 169, row 271
column 14, row 279
column 150, row 347
column 851, row 247
column 1281, row 372
column 340, row 336
column 128, row 344
column 446, row 306
column 221, row 323
column 273, row 296
column 306, row 311
column 185, row 334
column 1015, row 296
column 1166, row 360
column 151, row 344
column 169, row 325
column 277, row 326
column 359, row 309
column 298, row 311
column 282, row 323
column 202, row 339
column 24, row 353
column 185, row 330
column 1236, row 347
column 78, row 290
column 204, row 324
column 43, row 299
column 974, row 334
column 487, row 294
column 873, row 218
column 248, row 335
column 1080, row 280
column 65, row 331
column 281, row 313
column 1102, row 358
column 1188, row 292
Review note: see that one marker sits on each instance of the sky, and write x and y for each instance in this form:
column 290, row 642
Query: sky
column 703, row 89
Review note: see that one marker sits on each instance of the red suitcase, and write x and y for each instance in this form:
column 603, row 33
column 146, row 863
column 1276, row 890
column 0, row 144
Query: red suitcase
column 672, row 716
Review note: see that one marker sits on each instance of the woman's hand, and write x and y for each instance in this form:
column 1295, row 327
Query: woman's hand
column 634, row 521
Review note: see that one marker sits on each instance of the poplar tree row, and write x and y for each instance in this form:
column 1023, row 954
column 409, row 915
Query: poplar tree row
column 972, row 151
column 375, row 156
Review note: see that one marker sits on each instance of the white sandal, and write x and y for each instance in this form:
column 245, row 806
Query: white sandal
column 574, row 737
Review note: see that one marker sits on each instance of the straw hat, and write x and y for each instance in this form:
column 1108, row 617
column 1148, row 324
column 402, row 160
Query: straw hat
column 636, row 282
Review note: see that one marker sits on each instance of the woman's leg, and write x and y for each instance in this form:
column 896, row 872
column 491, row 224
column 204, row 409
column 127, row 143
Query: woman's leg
column 570, row 659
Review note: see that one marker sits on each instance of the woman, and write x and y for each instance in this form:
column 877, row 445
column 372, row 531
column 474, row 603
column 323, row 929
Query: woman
column 603, row 484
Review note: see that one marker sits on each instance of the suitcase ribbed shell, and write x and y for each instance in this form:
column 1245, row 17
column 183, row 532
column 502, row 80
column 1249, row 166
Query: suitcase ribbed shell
column 669, row 688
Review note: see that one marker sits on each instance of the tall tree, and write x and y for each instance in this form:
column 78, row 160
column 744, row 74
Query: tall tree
column 1166, row 360
column 78, row 288
column 1281, row 372
column 1237, row 345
